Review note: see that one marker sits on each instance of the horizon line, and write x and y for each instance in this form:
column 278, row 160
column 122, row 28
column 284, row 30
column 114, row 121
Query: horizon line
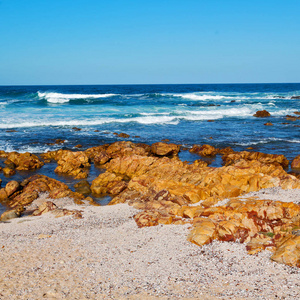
column 111, row 84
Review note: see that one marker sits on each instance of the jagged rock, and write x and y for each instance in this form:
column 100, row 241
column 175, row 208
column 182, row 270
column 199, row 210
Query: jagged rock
column 164, row 149
column 11, row 214
column 92, row 152
column 33, row 186
column 108, row 183
column 288, row 252
column 123, row 135
column 8, row 172
column 127, row 148
column 204, row 150
column 9, row 164
column 232, row 158
column 101, row 158
column 262, row 114
column 44, row 208
column 73, row 164
column 83, row 187
column 296, row 162
column 25, row 161
column 3, row 154
column 11, row 187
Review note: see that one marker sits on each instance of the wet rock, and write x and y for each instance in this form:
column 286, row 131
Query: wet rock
column 108, row 183
column 12, row 187
column 296, row 162
column 8, row 172
column 59, row 141
column 35, row 185
column 3, row 154
column 9, row 164
column 262, row 114
column 92, row 152
column 73, row 164
column 232, row 158
column 292, row 118
column 269, row 124
column 101, row 158
column 24, row 161
column 164, row 149
column 11, row 214
column 204, row 150
column 123, row 135
column 127, row 149
column 78, row 146
column 295, row 97
column 83, row 187
column 76, row 129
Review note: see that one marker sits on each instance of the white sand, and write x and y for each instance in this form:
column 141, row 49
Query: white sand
column 106, row 256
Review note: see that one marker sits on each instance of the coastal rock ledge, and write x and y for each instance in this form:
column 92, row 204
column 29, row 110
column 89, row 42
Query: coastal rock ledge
column 168, row 191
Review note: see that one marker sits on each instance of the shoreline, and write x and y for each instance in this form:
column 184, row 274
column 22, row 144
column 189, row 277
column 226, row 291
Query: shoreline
column 105, row 255
column 173, row 229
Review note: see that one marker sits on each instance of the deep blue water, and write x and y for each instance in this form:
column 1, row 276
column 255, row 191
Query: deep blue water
column 32, row 116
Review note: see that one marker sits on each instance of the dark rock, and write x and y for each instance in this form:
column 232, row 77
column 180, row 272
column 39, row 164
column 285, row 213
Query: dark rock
column 76, row 128
column 262, row 114
column 295, row 97
column 83, row 187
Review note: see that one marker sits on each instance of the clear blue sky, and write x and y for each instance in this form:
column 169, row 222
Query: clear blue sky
column 157, row 41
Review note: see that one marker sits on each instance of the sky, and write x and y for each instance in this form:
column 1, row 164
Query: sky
column 149, row 42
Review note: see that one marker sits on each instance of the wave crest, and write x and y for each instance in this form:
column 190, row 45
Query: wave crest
column 63, row 98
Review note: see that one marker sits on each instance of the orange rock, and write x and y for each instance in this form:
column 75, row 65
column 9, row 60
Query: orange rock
column 296, row 162
column 25, row 161
column 108, row 183
column 164, row 149
column 203, row 233
column 73, row 164
column 204, row 150
column 288, row 252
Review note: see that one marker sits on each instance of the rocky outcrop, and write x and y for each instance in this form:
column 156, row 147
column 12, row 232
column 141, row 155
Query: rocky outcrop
column 49, row 206
column 204, row 150
column 164, row 149
column 24, row 161
column 262, row 114
column 19, row 195
column 73, row 164
column 108, row 183
column 296, row 162
column 127, row 149
column 209, row 151
column 232, row 158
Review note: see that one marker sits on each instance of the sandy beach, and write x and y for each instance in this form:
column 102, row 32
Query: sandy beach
column 105, row 255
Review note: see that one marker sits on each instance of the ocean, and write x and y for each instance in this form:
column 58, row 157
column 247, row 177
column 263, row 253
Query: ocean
column 217, row 114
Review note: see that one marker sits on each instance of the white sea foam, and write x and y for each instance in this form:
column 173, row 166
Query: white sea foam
column 196, row 96
column 63, row 98
column 269, row 140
